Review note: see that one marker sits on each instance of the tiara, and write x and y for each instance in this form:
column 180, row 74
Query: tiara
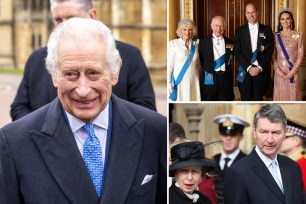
column 286, row 9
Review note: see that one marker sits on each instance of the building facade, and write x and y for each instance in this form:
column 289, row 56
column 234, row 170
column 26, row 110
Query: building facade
column 25, row 25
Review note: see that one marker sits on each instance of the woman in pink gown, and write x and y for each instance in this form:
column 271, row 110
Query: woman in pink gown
column 286, row 77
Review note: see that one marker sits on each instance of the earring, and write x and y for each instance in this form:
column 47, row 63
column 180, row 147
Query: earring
column 281, row 27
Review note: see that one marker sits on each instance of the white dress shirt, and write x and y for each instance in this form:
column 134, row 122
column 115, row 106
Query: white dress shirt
column 231, row 156
column 100, row 129
column 219, row 49
column 267, row 161
column 253, row 28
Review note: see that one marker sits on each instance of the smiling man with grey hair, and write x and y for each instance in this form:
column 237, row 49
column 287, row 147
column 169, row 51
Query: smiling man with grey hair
column 87, row 146
column 216, row 56
column 134, row 83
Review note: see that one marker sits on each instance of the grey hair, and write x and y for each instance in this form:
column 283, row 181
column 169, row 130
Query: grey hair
column 218, row 17
column 87, row 4
column 274, row 113
column 183, row 23
column 81, row 30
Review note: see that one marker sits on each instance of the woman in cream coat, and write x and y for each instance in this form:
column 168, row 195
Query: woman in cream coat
column 183, row 54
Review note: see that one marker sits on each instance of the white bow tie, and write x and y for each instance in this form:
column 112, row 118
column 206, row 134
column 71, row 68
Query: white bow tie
column 251, row 27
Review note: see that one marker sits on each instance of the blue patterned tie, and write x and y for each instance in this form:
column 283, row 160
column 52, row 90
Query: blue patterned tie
column 92, row 155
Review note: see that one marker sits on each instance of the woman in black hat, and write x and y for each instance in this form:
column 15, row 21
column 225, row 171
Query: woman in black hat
column 188, row 166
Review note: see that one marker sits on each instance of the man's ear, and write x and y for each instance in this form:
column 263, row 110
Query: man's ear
column 55, row 82
column 92, row 13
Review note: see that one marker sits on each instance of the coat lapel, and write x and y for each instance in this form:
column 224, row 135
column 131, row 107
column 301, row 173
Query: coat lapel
column 125, row 151
column 210, row 56
column 62, row 157
column 247, row 36
column 260, row 39
column 286, row 179
column 264, row 174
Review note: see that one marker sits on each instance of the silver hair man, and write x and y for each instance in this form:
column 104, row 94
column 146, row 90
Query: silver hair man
column 77, row 29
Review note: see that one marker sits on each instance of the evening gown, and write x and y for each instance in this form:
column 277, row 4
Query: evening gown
column 284, row 89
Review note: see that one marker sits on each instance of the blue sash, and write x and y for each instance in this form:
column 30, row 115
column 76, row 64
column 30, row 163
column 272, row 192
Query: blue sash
column 286, row 55
column 175, row 83
column 219, row 62
column 242, row 72
column 209, row 77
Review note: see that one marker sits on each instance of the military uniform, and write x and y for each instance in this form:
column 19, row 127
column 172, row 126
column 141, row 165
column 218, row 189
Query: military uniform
column 295, row 129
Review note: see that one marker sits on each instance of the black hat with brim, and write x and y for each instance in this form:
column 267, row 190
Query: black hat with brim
column 210, row 164
column 189, row 154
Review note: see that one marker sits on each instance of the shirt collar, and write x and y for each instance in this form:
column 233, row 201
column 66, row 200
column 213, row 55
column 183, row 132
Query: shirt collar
column 267, row 161
column 215, row 37
column 232, row 156
column 101, row 121
column 253, row 26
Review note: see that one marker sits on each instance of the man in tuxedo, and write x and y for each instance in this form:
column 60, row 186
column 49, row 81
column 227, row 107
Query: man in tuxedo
column 231, row 129
column 265, row 176
column 87, row 145
column 216, row 55
column 36, row 88
column 254, row 46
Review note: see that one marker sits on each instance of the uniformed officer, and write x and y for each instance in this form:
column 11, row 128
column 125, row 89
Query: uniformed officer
column 294, row 145
column 231, row 133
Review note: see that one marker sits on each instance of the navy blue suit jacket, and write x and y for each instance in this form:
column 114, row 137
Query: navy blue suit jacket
column 250, row 181
column 36, row 88
column 41, row 163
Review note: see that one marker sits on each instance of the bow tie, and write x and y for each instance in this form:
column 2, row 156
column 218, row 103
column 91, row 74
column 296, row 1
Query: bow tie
column 251, row 27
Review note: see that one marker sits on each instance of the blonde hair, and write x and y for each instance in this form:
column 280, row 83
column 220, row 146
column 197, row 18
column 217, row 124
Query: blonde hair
column 183, row 23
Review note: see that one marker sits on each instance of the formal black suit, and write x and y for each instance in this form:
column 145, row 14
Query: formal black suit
column 217, row 158
column 250, row 181
column 36, row 88
column 254, row 88
column 222, row 89
column 220, row 175
column 41, row 163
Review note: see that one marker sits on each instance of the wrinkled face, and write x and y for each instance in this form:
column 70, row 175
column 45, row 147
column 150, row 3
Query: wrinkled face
column 62, row 11
column 218, row 27
column 83, row 80
column 269, row 137
column 251, row 14
column 285, row 20
column 187, row 32
column 189, row 178
column 231, row 142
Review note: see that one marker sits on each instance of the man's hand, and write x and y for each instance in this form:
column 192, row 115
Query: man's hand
column 254, row 70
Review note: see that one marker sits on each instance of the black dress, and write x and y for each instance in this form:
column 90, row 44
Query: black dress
column 177, row 196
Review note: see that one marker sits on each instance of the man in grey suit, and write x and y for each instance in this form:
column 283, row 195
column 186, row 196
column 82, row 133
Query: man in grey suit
column 264, row 176
column 87, row 146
